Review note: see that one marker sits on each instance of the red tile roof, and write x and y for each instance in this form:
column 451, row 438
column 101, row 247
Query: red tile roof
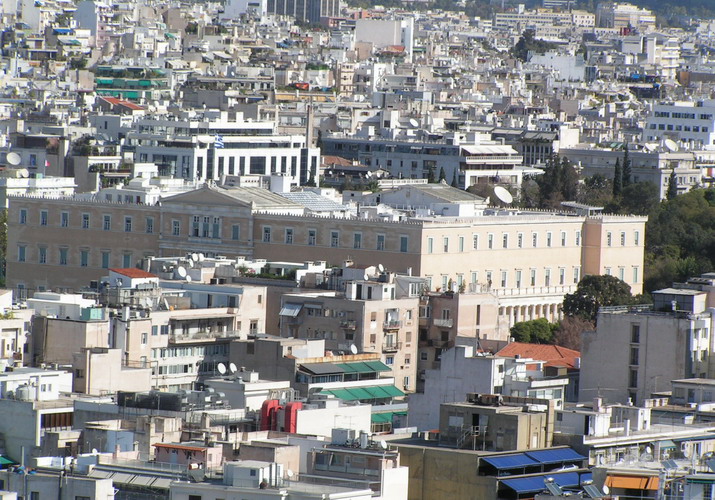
column 114, row 101
column 554, row 355
column 133, row 272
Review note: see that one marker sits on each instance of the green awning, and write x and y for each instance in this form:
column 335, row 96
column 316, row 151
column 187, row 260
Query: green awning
column 667, row 444
column 170, row 35
column 6, row 461
column 365, row 393
column 363, row 367
column 385, row 418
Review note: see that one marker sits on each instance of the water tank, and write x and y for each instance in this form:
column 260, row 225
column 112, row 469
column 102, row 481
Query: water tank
column 22, row 393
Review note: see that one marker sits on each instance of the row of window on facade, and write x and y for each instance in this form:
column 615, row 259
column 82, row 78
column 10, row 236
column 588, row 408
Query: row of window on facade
column 63, row 257
column 312, row 239
column 85, row 221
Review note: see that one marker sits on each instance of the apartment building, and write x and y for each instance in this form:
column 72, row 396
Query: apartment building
column 370, row 315
column 635, row 352
column 682, row 121
column 66, row 243
column 214, row 144
column 624, row 15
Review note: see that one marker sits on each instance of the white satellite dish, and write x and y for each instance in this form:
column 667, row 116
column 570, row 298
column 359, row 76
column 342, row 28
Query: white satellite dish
column 503, row 195
column 365, row 277
column 94, row 451
column 13, row 158
column 383, row 445
column 606, row 489
column 194, row 257
column 23, row 173
column 353, row 349
column 201, row 257
column 648, row 450
column 233, row 368
column 381, row 268
column 414, row 122
column 221, row 368
column 188, row 279
column 670, row 145
column 181, row 271
column 289, row 473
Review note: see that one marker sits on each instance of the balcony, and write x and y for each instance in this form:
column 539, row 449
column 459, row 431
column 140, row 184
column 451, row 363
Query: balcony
column 348, row 324
column 442, row 323
column 392, row 324
column 391, row 346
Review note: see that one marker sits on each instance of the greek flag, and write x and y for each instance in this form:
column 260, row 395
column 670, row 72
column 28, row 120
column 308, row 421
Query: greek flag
column 218, row 142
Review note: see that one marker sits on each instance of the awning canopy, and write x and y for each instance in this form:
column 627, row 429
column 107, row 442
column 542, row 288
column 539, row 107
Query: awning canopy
column 365, row 393
column 667, row 444
column 633, row 482
column 291, row 310
column 364, row 367
column 510, row 461
column 386, row 418
column 5, row 461
column 534, row 484
column 321, row 368
column 555, row 456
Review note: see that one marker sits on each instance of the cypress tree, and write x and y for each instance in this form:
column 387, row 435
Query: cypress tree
column 626, row 168
column 617, row 178
column 442, row 174
column 672, row 186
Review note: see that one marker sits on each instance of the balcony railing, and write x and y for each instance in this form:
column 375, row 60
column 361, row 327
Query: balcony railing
column 348, row 324
column 391, row 346
column 443, row 323
column 392, row 324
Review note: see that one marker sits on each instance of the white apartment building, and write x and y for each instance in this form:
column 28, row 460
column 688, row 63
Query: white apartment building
column 622, row 15
column 211, row 145
column 682, row 121
column 636, row 352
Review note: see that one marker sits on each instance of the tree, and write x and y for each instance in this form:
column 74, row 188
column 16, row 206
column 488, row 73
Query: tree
column 430, row 175
column 593, row 292
column 672, row 186
column 626, row 175
column 617, row 178
column 569, row 330
column 442, row 174
column 569, row 180
column 455, row 182
column 536, row 331
column 639, row 198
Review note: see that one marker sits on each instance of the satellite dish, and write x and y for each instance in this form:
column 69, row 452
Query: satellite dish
column 23, row 173
column 648, row 450
column 120, row 282
column 181, row 271
column 414, row 122
column 232, row 367
column 503, row 195
column 201, row 257
column 289, row 473
column 606, row 489
column 194, row 257
column 381, row 268
column 94, row 451
column 365, row 277
column 188, row 279
column 670, row 145
column 221, row 368
column 13, row 158
column 383, row 445
column 353, row 349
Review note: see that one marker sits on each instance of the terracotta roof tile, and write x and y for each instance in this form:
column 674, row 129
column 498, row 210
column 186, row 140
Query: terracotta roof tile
column 133, row 272
column 553, row 355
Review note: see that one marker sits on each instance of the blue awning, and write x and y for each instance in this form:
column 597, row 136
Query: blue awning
column 535, row 484
column 555, row 456
column 510, row 461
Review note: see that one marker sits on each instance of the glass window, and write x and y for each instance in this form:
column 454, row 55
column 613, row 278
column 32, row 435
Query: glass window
column 266, row 235
column 63, row 256
column 127, row 224
column 84, row 258
column 563, row 238
column 520, row 240
column 505, row 240
column 636, row 238
column 150, row 225
column 430, row 245
column 21, row 253
column 547, row 277
column 289, row 236
column 623, row 239
column 312, row 237
column 490, row 241
column 43, row 217
column 578, row 238
column 534, row 239
column 475, row 241
column 65, row 219
column 334, row 239
column 461, row 243
column 85, row 221
column 635, row 334
column 42, row 255
column 548, row 239
column 635, row 274
column 235, row 232
column 445, row 244
column 107, row 222
column 609, row 239
column 127, row 260
column 175, row 228
column 357, row 240
column 105, row 259
column 403, row 243
column 23, row 216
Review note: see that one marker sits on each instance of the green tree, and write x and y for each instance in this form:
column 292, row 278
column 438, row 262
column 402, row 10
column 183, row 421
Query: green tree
column 442, row 174
column 430, row 175
column 536, row 331
column 617, row 178
column 528, row 43
column 639, row 198
column 569, row 180
column 672, row 186
column 455, row 182
column 595, row 291
column 626, row 168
